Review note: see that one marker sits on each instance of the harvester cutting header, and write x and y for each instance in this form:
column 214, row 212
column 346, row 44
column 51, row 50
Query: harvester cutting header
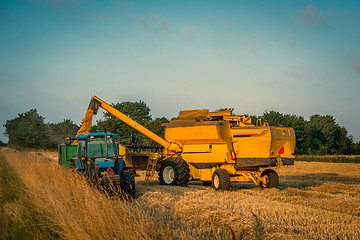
column 215, row 147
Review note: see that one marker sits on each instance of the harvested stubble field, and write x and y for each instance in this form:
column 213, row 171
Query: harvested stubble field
column 316, row 200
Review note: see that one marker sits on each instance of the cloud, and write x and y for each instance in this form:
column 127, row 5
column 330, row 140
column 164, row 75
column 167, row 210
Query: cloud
column 151, row 22
column 356, row 62
column 10, row 78
column 344, row 15
column 140, row 22
column 302, row 73
column 311, row 15
column 192, row 31
column 160, row 20
column 256, row 47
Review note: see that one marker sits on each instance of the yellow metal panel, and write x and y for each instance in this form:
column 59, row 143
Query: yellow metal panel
column 192, row 133
column 218, row 154
column 219, row 113
column 283, row 137
column 206, row 174
column 193, row 113
column 205, row 157
column 122, row 150
column 200, row 174
column 256, row 147
column 196, row 148
column 239, row 179
column 229, row 167
column 219, row 148
column 194, row 173
column 252, row 142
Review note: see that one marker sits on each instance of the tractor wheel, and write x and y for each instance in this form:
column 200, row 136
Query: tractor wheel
column 174, row 171
column 221, row 180
column 127, row 182
column 72, row 166
column 271, row 179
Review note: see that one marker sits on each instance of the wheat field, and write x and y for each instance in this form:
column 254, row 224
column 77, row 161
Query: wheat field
column 315, row 200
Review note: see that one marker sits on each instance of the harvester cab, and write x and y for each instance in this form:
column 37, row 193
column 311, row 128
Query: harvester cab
column 97, row 156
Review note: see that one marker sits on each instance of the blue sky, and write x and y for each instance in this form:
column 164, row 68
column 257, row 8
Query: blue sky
column 295, row 57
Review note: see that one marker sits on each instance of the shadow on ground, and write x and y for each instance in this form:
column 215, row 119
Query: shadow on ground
column 316, row 179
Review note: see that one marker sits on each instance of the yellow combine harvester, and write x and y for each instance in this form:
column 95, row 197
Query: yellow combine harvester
column 214, row 147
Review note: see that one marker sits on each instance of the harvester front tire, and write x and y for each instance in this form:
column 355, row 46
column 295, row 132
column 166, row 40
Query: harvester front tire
column 221, row 180
column 128, row 182
column 174, row 171
column 271, row 179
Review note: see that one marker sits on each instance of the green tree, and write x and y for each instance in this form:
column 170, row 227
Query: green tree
column 138, row 111
column 27, row 130
column 226, row 109
column 327, row 137
column 56, row 132
column 2, row 143
column 155, row 125
column 355, row 148
column 274, row 118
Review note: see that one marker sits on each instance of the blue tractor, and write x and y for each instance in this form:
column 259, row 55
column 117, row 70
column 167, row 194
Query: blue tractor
column 97, row 157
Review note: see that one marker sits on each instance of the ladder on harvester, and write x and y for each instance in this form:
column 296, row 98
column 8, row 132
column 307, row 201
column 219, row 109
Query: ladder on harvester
column 151, row 167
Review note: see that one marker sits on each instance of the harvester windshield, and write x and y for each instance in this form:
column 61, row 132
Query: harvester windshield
column 96, row 147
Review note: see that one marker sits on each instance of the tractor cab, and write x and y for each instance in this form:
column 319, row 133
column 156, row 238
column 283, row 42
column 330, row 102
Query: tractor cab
column 97, row 152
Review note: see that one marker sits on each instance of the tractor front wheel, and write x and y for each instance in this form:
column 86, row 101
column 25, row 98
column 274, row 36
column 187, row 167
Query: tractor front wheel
column 72, row 166
column 221, row 180
column 174, row 171
column 270, row 179
column 127, row 182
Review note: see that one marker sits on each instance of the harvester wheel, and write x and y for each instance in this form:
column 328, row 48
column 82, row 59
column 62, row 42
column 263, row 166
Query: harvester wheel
column 221, row 180
column 174, row 171
column 271, row 179
column 127, row 182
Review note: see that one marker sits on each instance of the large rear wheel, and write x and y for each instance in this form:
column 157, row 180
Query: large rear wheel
column 127, row 182
column 174, row 171
column 221, row 180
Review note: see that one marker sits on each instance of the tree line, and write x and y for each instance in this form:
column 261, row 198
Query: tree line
column 29, row 130
column 319, row 135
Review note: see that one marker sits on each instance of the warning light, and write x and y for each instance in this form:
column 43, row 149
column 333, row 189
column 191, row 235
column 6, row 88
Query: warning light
column 232, row 153
column 281, row 151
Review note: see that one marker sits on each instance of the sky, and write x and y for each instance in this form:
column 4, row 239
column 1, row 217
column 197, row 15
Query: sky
column 294, row 57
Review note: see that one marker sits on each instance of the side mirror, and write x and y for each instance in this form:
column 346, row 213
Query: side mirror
column 68, row 141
